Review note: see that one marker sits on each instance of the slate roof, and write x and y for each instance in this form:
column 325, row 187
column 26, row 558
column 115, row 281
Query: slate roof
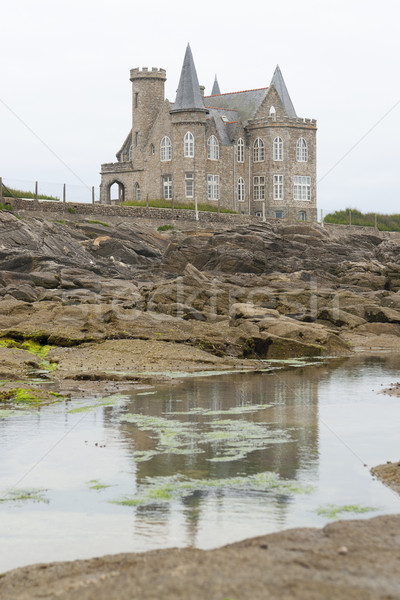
column 245, row 103
column 223, row 119
column 215, row 89
column 188, row 95
column 280, row 86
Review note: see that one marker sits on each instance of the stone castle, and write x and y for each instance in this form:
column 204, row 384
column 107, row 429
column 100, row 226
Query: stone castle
column 246, row 151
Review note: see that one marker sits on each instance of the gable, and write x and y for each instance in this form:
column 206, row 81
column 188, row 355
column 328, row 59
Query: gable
column 271, row 99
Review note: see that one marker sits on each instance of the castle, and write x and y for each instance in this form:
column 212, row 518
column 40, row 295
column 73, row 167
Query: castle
column 246, row 151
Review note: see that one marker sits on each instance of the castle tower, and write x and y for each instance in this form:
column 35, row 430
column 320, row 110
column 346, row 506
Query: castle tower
column 188, row 117
column 147, row 100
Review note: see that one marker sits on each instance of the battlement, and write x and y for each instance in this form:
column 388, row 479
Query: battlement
column 284, row 121
column 145, row 73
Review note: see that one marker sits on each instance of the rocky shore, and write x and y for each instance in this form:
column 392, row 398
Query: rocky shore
column 103, row 306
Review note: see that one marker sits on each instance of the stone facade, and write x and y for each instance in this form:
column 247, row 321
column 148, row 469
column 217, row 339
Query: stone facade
column 246, row 151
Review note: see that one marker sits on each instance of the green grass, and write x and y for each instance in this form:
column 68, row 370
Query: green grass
column 13, row 193
column 99, row 223
column 4, row 207
column 384, row 222
column 187, row 206
column 165, row 227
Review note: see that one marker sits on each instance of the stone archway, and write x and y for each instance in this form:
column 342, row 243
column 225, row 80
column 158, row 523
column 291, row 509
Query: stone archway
column 116, row 192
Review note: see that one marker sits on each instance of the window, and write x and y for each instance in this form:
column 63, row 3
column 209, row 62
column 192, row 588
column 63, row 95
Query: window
column 136, row 138
column 136, row 99
column 188, row 150
column 258, row 187
column 165, row 149
column 301, row 215
column 259, row 213
column 278, row 148
column 278, row 214
column 189, row 185
column 278, row 187
column 240, row 189
column 301, row 150
column 301, row 188
column 240, row 150
column 152, row 149
column 137, row 191
column 272, row 112
column 167, row 187
column 213, row 187
column 212, row 148
column 130, row 153
column 258, row 153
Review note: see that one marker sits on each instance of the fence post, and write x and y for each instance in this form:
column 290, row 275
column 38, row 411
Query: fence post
column 147, row 201
column 1, row 190
column 376, row 224
column 36, row 191
column 92, row 194
column 322, row 217
column 196, row 212
column 172, row 202
column 219, row 207
column 64, row 193
column 263, row 212
column 349, row 217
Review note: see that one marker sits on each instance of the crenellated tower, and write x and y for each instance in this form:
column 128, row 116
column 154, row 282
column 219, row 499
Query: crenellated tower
column 147, row 100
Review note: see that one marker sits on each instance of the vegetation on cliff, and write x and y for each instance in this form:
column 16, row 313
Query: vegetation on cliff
column 355, row 217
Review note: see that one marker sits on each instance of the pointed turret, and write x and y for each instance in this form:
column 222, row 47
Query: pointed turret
column 188, row 95
column 215, row 89
column 280, row 86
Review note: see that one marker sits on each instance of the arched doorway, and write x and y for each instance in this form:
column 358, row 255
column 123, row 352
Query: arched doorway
column 117, row 193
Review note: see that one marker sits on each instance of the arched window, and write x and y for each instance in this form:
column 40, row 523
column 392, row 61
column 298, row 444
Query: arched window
column 188, row 146
column 130, row 153
column 301, row 150
column 212, row 148
column 258, row 153
column 137, row 191
column 278, row 149
column 240, row 189
column 165, row 149
column 240, row 150
column 152, row 149
column 272, row 112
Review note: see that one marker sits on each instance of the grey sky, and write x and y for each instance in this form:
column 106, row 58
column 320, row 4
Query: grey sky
column 65, row 73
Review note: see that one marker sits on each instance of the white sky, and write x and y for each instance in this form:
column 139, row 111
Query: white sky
column 64, row 71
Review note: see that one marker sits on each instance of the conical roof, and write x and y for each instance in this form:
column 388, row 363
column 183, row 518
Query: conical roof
column 215, row 89
column 188, row 95
column 280, row 86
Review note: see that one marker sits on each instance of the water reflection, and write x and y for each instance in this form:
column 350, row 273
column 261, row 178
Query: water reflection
column 207, row 462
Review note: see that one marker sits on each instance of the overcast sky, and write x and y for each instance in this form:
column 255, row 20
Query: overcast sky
column 65, row 94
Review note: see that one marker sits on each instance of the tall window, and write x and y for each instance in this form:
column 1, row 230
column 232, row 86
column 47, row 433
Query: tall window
column 278, row 187
column 240, row 150
column 165, row 149
column 213, row 187
column 188, row 150
column 137, row 191
column 301, row 150
column 278, row 149
column 167, row 187
column 272, row 112
column 258, row 151
column 212, row 148
column 301, row 187
column 136, row 138
column 152, row 149
column 240, row 189
column 189, row 185
column 258, row 187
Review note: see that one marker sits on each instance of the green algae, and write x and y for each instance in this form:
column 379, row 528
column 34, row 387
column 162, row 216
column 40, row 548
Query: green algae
column 21, row 396
column 333, row 511
column 159, row 490
column 4, row 414
column 235, row 410
column 24, row 495
column 33, row 347
column 95, row 484
column 113, row 400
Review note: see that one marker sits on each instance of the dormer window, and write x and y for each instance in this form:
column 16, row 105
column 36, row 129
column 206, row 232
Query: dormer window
column 272, row 112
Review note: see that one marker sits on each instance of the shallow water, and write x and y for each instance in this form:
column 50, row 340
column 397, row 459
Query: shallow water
column 204, row 463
